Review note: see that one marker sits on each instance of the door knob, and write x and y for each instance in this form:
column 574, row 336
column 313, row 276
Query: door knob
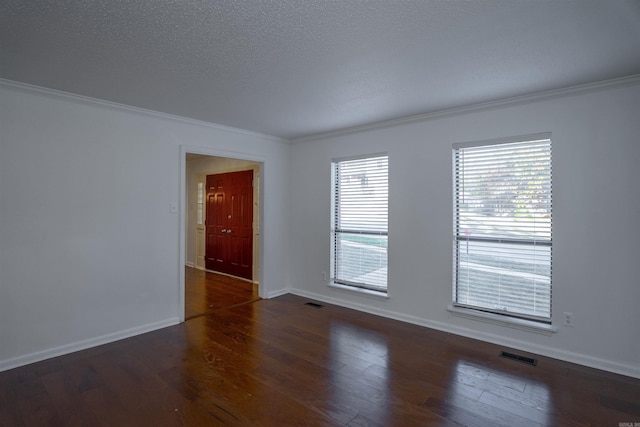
column 224, row 231
column 228, row 231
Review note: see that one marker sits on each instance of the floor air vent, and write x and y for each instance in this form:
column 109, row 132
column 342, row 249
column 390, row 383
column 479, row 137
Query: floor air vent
column 518, row 358
column 313, row 304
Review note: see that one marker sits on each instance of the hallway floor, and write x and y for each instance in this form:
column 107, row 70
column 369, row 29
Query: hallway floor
column 206, row 292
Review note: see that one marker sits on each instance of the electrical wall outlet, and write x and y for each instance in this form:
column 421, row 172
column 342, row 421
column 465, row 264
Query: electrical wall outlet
column 324, row 276
column 568, row 319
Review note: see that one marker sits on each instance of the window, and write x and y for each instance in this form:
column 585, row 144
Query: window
column 360, row 216
column 502, row 227
column 200, row 204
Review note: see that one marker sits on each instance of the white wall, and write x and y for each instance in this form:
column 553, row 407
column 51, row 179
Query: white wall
column 596, row 221
column 89, row 249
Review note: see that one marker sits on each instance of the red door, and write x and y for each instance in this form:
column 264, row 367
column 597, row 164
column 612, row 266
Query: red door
column 216, row 233
column 229, row 223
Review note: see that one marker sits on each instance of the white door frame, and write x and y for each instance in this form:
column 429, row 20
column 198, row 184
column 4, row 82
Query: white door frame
column 208, row 151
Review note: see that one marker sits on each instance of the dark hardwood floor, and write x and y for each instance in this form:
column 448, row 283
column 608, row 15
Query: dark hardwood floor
column 281, row 362
column 206, row 292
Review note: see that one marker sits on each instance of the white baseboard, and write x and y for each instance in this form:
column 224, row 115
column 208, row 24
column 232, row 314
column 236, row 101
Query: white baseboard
column 83, row 345
column 279, row 292
column 190, row 264
column 567, row 356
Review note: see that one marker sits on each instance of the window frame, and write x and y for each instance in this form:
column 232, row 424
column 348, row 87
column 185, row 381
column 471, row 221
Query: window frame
column 458, row 237
column 336, row 230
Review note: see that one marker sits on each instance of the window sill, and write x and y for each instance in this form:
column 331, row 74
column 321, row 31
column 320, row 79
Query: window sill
column 360, row 291
column 496, row 319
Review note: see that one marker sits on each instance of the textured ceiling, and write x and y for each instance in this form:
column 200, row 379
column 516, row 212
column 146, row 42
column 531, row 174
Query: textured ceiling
column 293, row 68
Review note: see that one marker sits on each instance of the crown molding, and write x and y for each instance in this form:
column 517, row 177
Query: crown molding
column 504, row 102
column 54, row 93
column 521, row 99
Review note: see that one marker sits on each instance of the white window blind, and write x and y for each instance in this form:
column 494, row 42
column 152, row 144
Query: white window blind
column 360, row 217
column 502, row 228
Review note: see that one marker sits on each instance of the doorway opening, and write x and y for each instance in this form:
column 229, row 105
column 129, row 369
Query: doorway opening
column 221, row 245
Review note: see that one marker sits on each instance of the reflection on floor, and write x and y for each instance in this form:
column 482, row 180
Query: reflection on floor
column 206, row 292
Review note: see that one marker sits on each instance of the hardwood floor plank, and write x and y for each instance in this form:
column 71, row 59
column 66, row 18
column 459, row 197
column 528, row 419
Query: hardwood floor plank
column 84, row 375
column 172, row 409
column 68, row 400
column 206, row 292
column 39, row 410
column 10, row 415
column 540, row 416
column 621, row 405
column 224, row 408
column 279, row 362
column 28, row 388
column 459, row 414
